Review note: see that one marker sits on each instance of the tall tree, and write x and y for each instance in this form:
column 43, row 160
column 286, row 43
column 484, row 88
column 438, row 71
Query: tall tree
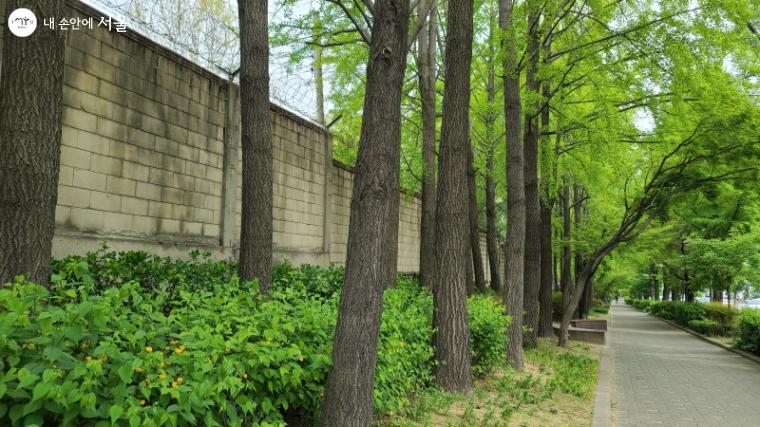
column 452, row 336
column 426, row 54
column 547, row 200
column 31, row 85
column 532, row 266
column 256, row 140
column 474, row 221
column 515, row 255
column 373, row 226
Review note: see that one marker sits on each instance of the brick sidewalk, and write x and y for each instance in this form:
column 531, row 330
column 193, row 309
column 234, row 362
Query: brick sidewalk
column 664, row 376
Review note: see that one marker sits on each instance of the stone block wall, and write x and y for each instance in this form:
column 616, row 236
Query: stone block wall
column 150, row 159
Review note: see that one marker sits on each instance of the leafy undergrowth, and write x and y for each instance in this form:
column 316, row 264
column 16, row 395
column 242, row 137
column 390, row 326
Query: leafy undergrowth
column 556, row 388
column 134, row 339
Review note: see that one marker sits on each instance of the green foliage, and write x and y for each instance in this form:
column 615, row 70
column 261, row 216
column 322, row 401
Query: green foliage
column 572, row 374
column 488, row 323
column 749, row 331
column 556, row 305
column 705, row 326
column 724, row 316
column 684, row 312
column 642, row 304
column 142, row 340
column 663, row 309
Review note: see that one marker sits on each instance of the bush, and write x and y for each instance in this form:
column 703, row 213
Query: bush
column 628, row 300
column 557, row 306
column 662, row 309
column 749, row 330
column 684, row 312
column 642, row 304
column 488, row 339
column 705, row 326
column 726, row 317
column 189, row 344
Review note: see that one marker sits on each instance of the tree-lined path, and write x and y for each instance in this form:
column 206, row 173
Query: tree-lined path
column 663, row 376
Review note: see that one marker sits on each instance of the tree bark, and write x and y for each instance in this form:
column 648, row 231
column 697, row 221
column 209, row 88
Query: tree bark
column 578, row 259
column 532, row 266
column 477, row 256
column 492, row 238
column 31, row 87
column 427, row 42
column 256, row 141
column 515, row 253
column 374, row 211
column 545, row 328
column 452, row 231
column 566, row 280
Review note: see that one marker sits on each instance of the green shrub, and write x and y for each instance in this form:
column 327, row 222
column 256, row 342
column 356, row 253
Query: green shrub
column 642, row 304
column 189, row 344
column 684, row 312
column 749, row 330
column 705, row 326
column 662, row 309
column 628, row 300
column 556, row 306
column 488, row 339
column 726, row 317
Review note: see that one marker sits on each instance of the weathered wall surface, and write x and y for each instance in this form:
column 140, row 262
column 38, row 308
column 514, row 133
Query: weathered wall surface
column 150, row 159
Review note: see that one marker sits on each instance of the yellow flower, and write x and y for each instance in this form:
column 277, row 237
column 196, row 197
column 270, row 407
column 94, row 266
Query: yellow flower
column 174, row 384
column 149, row 349
column 88, row 358
column 142, row 402
column 179, row 380
column 138, row 370
column 401, row 344
column 179, row 350
column 172, row 342
column 31, row 346
column 147, row 381
column 162, row 376
column 83, row 346
column 300, row 359
column 245, row 376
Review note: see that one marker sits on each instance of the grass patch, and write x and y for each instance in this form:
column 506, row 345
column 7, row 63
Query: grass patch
column 556, row 388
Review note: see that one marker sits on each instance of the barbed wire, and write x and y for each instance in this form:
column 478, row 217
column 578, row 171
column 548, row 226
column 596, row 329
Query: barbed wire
column 208, row 35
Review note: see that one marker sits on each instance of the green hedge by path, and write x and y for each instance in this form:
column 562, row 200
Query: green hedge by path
column 132, row 339
column 712, row 318
column 749, row 330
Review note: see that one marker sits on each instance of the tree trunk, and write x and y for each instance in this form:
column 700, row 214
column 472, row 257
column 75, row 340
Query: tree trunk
column 545, row 328
column 515, row 264
column 256, row 141
column 532, row 266
column 374, row 202
column 566, row 280
column 427, row 42
column 452, row 230
column 477, row 256
column 492, row 238
column 31, row 85
column 583, row 307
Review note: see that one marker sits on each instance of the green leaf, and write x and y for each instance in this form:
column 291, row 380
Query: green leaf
column 40, row 390
column 115, row 412
column 3, row 388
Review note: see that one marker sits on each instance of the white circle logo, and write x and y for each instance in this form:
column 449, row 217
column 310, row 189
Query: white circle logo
column 22, row 22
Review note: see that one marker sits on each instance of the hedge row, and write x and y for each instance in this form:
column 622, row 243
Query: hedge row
column 132, row 339
column 711, row 318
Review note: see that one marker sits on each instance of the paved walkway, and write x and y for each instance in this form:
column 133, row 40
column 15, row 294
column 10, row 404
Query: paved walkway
column 661, row 375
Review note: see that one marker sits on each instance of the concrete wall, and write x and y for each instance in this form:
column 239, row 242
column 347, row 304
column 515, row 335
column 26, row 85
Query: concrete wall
column 150, row 159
